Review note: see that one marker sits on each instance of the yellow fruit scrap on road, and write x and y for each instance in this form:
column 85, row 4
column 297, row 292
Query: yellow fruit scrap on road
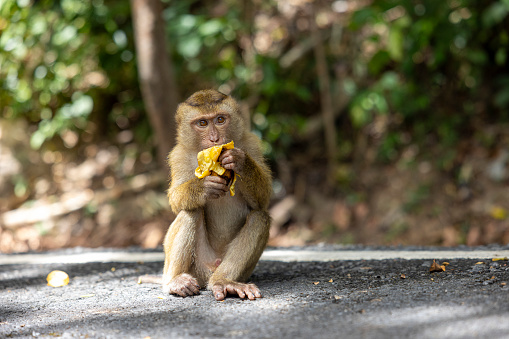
column 57, row 279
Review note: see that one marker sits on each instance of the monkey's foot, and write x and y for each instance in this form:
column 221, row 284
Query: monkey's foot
column 222, row 288
column 184, row 285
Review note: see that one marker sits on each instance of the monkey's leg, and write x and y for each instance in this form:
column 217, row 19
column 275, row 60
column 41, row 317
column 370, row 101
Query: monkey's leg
column 240, row 259
column 179, row 249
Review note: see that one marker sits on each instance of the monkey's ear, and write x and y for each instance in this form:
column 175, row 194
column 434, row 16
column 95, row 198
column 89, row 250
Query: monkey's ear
column 179, row 114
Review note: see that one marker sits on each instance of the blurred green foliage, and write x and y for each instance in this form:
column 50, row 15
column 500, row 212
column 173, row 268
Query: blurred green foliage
column 60, row 61
column 412, row 71
column 438, row 67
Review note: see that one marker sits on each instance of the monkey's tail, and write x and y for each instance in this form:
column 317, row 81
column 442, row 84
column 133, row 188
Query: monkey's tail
column 150, row 279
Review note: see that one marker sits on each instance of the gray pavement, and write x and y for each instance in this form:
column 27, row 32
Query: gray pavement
column 319, row 292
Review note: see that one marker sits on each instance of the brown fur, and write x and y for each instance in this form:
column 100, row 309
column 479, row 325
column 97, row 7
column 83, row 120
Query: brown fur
column 216, row 240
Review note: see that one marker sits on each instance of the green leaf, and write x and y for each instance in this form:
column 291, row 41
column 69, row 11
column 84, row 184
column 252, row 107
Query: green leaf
column 362, row 17
column 359, row 116
column 389, row 80
column 501, row 56
column 210, row 27
column 395, row 43
column 349, row 86
column 37, row 139
column 379, row 61
column 82, row 106
column 23, row 91
column 65, row 35
column 186, row 23
column 189, row 48
column 477, row 56
column 494, row 14
column 502, row 98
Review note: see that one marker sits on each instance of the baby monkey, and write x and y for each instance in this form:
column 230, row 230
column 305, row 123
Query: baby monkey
column 216, row 239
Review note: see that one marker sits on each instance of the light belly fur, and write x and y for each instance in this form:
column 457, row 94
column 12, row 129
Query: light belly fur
column 224, row 217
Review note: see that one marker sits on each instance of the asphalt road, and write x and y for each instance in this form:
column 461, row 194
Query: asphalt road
column 328, row 298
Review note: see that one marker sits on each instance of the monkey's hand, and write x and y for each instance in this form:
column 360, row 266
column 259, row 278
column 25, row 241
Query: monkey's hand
column 222, row 288
column 214, row 187
column 183, row 285
column 233, row 159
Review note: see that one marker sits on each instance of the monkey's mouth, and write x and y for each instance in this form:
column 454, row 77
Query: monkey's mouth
column 209, row 145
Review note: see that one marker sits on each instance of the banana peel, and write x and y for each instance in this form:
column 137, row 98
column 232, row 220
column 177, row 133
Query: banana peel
column 208, row 165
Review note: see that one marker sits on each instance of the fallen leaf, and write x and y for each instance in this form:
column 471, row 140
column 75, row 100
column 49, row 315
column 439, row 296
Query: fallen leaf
column 87, row 295
column 337, row 297
column 503, row 284
column 57, row 279
column 162, row 297
column 436, row 267
column 498, row 213
column 500, row 259
column 365, row 268
column 445, row 263
column 479, row 263
column 331, row 280
column 402, row 276
column 113, row 269
column 316, row 282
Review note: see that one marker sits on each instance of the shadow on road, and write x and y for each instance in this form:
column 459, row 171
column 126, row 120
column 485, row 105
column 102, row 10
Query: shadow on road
column 358, row 298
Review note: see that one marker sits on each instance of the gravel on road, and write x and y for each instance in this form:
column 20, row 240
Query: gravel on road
column 390, row 298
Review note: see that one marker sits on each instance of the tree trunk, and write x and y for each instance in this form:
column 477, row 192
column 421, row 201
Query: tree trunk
column 325, row 96
column 156, row 74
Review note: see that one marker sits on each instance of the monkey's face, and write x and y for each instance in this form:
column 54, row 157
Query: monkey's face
column 209, row 118
column 212, row 129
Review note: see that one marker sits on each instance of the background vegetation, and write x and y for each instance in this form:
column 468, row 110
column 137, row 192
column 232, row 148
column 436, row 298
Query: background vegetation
column 417, row 93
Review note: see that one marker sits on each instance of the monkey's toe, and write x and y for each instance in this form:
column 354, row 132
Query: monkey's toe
column 242, row 290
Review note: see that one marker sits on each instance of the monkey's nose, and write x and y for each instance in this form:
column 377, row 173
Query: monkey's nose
column 214, row 138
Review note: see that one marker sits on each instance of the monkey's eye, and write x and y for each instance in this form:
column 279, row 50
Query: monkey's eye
column 202, row 123
column 221, row 120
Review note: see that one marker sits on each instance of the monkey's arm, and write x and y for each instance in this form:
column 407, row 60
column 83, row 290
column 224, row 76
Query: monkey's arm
column 255, row 184
column 194, row 193
column 187, row 196
column 187, row 192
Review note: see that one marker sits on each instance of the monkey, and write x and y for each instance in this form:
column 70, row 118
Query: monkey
column 216, row 239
